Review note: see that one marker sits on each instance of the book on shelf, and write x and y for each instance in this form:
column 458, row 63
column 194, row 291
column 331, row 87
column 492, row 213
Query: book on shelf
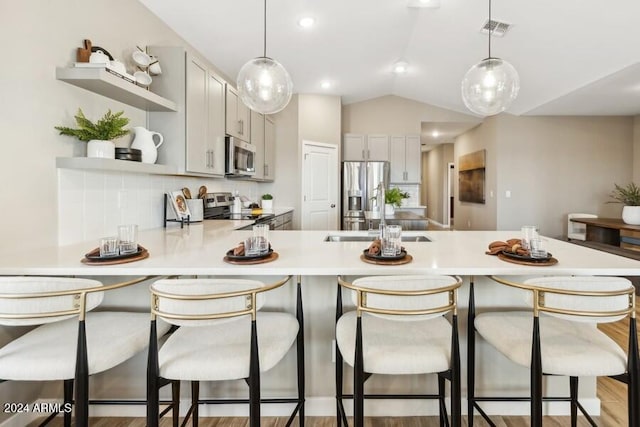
column 128, row 77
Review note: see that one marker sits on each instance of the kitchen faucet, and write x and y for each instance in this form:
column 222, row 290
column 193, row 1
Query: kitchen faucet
column 380, row 203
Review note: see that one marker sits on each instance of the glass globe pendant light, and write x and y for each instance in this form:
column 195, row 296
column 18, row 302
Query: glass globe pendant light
column 491, row 85
column 263, row 83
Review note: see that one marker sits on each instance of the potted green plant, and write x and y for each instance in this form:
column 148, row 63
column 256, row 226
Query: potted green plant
column 267, row 202
column 629, row 196
column 100, row 135
column 393, row 199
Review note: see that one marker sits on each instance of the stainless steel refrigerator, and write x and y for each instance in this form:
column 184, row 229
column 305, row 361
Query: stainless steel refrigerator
column 359, row 183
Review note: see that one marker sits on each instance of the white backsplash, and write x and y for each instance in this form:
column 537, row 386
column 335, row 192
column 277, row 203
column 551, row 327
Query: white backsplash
column 414, row 194
column 91, row 204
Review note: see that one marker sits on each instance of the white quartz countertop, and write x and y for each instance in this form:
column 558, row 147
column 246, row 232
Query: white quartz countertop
column 200, row 248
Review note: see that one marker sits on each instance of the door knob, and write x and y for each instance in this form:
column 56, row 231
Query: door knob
column 333, row 205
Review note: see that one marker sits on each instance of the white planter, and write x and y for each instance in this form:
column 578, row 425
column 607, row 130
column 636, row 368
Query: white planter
column 267, row 205
column 389, row 209
column 631, row 215
column 103, row 149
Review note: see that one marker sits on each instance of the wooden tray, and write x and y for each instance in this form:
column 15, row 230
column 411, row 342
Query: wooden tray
column 272, row 257
column 406, row 260
column 550, row 261
column 137, row 257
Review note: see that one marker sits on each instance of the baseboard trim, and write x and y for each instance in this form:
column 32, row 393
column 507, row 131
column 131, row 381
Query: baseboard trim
column 322, row 407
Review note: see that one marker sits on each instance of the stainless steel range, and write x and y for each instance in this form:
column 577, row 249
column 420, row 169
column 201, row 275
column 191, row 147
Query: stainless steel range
column 218, row 206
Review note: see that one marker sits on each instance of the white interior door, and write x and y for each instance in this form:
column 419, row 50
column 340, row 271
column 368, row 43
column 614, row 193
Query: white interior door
column 320, row 171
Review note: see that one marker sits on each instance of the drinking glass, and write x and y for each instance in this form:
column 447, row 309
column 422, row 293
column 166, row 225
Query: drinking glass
column 529, row 232
column 537, row 249
column 109, row 246
column 128, row 239
column 258, row 243
column 392, row 238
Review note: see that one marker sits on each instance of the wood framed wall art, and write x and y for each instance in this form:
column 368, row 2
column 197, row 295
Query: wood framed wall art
column 471, row 170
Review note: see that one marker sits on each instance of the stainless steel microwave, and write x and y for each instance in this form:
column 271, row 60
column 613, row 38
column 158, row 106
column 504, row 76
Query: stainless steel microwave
column 240, row 159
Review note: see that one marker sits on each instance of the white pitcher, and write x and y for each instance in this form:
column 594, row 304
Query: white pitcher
column 145, row 140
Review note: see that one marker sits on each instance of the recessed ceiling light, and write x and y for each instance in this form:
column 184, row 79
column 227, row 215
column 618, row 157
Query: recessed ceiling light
column 435, row 134
column 424, row 3
column 325, row 84
column 401, row 67
column 306, row 22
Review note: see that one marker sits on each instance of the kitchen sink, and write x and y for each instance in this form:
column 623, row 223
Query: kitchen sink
column 370, row 238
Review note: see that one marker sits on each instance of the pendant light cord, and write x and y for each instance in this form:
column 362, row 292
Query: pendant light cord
column 490, row 28
column 265, row 30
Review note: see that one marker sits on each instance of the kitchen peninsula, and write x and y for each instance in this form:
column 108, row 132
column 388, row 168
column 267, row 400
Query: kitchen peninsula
column 199, row 249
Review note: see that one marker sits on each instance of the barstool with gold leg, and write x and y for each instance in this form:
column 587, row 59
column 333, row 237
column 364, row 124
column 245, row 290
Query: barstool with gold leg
column 559, row 337
column 399, row 328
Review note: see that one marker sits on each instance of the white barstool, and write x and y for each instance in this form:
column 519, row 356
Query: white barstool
column 71, row 342
column 221, row 336
column 559, row 337
column 399, row 328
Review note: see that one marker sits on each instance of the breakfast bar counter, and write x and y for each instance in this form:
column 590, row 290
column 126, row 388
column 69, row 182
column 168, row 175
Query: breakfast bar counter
column 199, row 249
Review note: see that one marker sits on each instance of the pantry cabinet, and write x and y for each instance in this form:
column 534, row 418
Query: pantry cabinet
column 238, row 116
column 194, row 136
column 405, row 158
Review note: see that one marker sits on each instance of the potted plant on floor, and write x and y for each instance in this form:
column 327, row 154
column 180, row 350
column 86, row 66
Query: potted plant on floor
column 629, row 196
column 267, row 202
column 393, row 199
column 100, row 135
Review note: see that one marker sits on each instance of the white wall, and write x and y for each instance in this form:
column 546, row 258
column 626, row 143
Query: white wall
column 557, row 165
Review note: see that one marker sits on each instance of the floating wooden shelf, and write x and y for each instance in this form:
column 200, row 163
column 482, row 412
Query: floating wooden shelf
column 102, row 82
column 98, row 164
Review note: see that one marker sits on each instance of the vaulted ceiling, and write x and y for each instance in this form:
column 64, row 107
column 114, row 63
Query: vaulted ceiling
column 574, row 57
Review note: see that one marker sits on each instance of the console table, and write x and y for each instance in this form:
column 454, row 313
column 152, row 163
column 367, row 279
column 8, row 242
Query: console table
column 612, row 235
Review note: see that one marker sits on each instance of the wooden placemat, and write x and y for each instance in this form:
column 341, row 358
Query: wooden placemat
column 137, row 257
column 272, row 257
column 550, row 261
column 406, row 260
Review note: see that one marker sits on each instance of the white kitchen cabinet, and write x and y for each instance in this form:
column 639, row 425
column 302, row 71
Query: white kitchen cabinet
column 269, row 149
column 405, row 158
column 257, row 139
column 365, row 147
column 238, row 116
column 194, row 137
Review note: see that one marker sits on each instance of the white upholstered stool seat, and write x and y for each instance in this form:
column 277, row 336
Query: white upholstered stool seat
column 568, row 348
column 221, row 351
column 393, row 347
column 49, row 351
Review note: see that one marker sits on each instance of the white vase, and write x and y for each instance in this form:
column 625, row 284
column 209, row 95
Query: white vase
column 267, row 205
column 631, row 215
column 389, row 209
column 103, row 149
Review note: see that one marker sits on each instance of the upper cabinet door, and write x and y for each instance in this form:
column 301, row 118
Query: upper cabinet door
column 397, row 159
column 377, row 147
column 197, row 116
column 238, row 116
column 257, row 139
column 413, row 159
column 216, row 125
column 269, row 149
column 353, row 147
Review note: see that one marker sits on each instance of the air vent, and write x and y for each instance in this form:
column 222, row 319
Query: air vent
column 497, row 28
